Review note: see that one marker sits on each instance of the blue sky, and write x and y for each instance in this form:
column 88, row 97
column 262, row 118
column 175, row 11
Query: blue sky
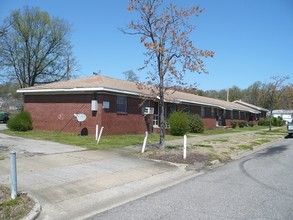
column 252, row 39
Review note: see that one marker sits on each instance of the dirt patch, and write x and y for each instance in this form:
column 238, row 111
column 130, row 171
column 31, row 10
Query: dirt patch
column 203, row 153
column 176, row 156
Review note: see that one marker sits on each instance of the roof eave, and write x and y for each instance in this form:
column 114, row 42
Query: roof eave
column 74, row 90
column 200, row 103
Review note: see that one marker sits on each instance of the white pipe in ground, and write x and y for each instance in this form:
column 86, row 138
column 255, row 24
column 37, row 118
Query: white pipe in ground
column 144, row 142
column 184, row 146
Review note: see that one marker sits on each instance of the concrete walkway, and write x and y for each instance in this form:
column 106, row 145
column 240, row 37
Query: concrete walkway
column 75, row 183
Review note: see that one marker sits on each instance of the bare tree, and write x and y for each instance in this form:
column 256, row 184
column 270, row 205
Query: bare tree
column 3, row 31
column 286, row 101
column 252, row 93
column 271, row 94
column 164, row 31
column 35, row 48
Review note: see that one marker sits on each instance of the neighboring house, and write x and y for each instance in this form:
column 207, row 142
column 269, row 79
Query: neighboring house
column 263, row 111
column 286, row 115
column 117, row 106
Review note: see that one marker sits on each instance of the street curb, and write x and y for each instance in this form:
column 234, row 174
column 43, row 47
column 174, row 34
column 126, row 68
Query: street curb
column 162, row 181
column 36, row 210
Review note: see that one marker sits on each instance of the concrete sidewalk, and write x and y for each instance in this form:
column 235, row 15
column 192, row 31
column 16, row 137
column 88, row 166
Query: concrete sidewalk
column 74, row 183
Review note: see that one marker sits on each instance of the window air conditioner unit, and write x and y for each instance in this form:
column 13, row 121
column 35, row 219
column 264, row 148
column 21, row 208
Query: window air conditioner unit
column 148, row 111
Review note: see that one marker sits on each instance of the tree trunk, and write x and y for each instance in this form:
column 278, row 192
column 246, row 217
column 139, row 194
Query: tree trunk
column 162, row 114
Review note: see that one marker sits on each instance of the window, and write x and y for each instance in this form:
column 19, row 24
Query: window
column 202, row 111
column 121, row 104
column 106, row 105
column 156, row 120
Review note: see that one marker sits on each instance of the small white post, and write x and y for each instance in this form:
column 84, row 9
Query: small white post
column 144, row 142
column 13, row 175
column 101, row 131
column 97, row 132
column 184, row 146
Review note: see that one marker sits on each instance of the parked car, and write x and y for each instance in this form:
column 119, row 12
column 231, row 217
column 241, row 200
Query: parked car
column 290, row 128
column 4, row 117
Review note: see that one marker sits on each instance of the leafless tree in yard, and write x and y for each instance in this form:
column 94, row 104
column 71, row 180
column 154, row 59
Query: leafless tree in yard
column 164, row 31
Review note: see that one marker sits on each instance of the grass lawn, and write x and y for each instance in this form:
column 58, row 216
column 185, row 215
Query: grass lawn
column 225, row 131
column 112, row 141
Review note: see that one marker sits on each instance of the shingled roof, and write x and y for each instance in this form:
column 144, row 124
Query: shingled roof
column 250, row 105
column 87, row 84
column 98, row 83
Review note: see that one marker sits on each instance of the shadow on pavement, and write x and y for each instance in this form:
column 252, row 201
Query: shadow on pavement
column 272, row 150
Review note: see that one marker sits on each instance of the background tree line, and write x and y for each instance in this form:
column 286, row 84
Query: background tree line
column 273, row 95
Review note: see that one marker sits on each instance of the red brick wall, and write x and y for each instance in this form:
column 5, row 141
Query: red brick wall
column 228, row 122
column 132, row 122
column 209, row 123
column 56, row 113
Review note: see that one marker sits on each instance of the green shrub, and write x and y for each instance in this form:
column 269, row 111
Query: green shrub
column 179, row 123
column 277, row 122
column 264, row 122
column 233, row 124
column 196, row 124
column 250, row 124
column 242, row 124
column 21, row 122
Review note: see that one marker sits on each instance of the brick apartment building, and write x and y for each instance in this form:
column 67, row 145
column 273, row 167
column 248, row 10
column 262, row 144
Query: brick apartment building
column 117, row 106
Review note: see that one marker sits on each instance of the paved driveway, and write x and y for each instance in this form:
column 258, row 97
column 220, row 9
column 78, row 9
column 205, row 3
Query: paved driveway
column 73, row 183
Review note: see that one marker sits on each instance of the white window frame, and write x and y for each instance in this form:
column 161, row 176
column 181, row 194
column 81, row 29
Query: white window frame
column 121, row 104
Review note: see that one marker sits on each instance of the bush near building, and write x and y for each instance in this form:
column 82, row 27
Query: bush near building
column 277, row 122
column 233, row 124
column 242, row 124
column 196, row 124
column 179, row 123
column 20, row 122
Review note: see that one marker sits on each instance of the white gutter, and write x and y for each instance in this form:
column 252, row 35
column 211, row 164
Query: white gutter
column 76, row 90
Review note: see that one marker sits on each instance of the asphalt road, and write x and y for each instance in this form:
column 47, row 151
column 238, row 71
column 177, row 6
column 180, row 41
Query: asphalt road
column 259, row 186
